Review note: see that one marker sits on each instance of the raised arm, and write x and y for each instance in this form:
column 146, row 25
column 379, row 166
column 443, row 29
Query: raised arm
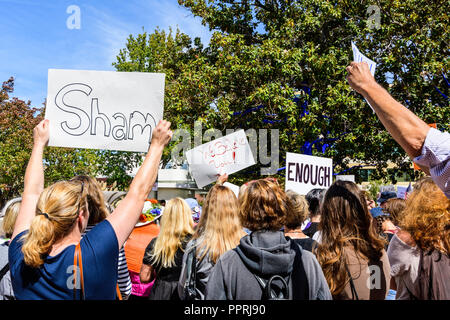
column 404, row 126
column 127, row 213
column 34, row 179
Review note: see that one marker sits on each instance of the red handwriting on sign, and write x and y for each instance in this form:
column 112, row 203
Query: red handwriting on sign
column 223, row 153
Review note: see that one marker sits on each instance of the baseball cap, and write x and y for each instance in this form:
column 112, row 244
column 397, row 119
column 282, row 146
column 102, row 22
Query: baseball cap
column 386, row 195
column 378, row 211
column 195, row 207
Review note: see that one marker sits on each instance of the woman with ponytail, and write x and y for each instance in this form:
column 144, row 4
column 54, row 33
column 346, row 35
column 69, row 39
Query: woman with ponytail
column 48, row 257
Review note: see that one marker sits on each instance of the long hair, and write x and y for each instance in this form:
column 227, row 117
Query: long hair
column 219, row 228
column 346, row 222
column 394, row 207
column 264, row 206
column 60, row 202
column 96, row 201
column 176, row 224
column 9, row 220
column 427, row 217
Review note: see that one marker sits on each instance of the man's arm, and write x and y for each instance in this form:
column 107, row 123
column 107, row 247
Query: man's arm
column 34, row 179
column 405, row 127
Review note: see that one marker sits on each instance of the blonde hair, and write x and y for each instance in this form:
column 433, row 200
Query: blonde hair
column 60, row 202
column 9, row 220
column 299, row 212
column 219, row 228
column 176, row 224
column 96, row 201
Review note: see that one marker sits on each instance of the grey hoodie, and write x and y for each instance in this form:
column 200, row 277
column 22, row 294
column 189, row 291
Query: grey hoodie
column 264, row 253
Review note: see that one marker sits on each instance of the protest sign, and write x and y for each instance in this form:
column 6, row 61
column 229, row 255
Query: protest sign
column 359, row 57
column 304, row 173
column 228, row 154
column 233, row 188
column 103, row 109
column 346, row 177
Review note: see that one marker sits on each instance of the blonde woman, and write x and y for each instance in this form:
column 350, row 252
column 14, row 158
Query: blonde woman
column 164, row 255
column 47, row 256
column 9, row 219
column 294, row 220
column 218, row 231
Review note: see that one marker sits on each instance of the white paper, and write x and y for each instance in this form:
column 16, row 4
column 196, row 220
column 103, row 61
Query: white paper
column 233, row 188
column 401, row 192
column 104, row 109
column 359, row 57
column 304, row 173
column 347, row 177
column 228, row 154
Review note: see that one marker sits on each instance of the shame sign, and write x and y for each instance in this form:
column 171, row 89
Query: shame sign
column 304, row 173
column 103, row 109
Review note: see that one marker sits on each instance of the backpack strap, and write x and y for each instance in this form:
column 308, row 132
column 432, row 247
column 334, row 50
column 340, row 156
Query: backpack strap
column 191, row 274
column 78, row 264
column 4, row 271
column 300, row 284
column 119, row 295
column 269, row 293
column 352, row 285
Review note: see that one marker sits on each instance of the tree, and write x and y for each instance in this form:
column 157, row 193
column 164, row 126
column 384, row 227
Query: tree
column 17, row 121
column 285, row 62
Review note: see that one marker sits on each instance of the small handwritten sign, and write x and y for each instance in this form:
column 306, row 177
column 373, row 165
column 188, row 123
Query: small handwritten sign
column 228, row 154
column 103, row 109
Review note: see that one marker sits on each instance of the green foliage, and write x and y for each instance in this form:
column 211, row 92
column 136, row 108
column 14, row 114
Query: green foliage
column 264, row 52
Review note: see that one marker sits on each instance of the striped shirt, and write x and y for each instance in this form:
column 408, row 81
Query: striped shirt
column 123, row 276
column 436, row 156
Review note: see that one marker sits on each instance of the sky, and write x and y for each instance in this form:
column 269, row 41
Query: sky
column 37, row 35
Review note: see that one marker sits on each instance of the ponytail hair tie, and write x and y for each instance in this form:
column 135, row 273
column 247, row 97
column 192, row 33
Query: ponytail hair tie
column 44, row 214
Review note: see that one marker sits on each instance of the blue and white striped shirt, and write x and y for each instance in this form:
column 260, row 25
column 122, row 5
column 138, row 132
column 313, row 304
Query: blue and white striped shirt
column 436, row 156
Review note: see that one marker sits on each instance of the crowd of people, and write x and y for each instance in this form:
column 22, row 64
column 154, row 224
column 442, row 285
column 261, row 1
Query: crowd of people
column 63, row 242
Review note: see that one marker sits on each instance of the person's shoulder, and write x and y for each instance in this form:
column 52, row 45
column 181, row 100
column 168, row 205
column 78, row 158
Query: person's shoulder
column 405, row 237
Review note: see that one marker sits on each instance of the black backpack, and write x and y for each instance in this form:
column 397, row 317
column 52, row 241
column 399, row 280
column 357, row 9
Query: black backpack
column 190, row 292
column 300, row 287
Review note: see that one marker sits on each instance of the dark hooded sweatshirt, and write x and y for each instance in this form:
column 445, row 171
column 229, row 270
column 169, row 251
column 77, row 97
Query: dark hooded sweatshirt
column 265, row 253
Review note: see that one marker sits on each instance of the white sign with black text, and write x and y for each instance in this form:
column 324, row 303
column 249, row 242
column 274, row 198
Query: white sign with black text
column 104, row 109
column 304, row 173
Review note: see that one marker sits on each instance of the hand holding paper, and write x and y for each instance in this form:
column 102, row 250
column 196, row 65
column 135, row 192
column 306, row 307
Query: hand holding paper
column 358, row 57
column 359, row 76
column 41, row 133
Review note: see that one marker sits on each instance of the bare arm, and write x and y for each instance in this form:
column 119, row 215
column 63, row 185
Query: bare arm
column 404, row 126
column 127, row 213
column 147, row 273
column 34, row 179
